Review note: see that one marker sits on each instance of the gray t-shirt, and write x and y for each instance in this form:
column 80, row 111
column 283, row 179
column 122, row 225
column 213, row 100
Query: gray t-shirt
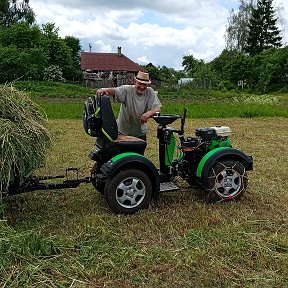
column 133, row 106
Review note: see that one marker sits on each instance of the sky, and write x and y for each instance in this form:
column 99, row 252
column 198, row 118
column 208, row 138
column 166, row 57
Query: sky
column 156, row 31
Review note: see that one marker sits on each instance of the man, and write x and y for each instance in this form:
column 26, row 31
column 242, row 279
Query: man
column 138, row 103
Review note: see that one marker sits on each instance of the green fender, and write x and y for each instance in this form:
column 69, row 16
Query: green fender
column 132, row 160
column 122, row 155
column 222, row 152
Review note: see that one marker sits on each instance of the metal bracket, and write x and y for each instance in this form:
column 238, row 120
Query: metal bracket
column 34, row 183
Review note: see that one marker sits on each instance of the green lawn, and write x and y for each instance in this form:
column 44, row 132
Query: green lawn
column 68, row 110
column 64, row 101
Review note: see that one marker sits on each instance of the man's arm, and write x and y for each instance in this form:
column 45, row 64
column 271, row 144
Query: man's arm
column 144, row 118
column 109, row 91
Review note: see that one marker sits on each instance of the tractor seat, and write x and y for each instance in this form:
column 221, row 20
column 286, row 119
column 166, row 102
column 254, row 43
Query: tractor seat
column 99, row 121
column 130, row 144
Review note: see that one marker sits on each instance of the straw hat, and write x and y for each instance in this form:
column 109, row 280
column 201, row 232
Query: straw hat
column 142, row 77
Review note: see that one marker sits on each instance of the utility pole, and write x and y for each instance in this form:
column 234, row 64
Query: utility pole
column 90, row 47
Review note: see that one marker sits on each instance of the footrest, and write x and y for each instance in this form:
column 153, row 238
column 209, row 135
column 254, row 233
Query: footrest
column 168, row 186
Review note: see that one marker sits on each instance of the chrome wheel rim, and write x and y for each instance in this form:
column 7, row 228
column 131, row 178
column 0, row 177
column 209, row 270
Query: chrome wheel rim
column 130, row 192
column 228, row 182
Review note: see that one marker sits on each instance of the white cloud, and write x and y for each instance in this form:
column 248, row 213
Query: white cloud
column 102, row 47
column 161, row 31
column 143, row 60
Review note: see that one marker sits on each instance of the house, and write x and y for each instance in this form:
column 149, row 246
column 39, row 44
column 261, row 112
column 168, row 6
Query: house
column 108, row 69
column 184, row 81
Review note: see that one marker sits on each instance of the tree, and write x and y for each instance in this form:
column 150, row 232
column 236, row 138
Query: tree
column 219, row 63
column 237, row 30
column 190, row 63
column 21, row 53
column 204, row 76
column 49, row 30
column 26, row 51
column 263, row 32
column 239, row 69
column 166, row 73
column 269, row 69
column 74, row 45
column 153, row 71
column 20, row 35
column 13, row 11
column 57, row 51
column 28, row 63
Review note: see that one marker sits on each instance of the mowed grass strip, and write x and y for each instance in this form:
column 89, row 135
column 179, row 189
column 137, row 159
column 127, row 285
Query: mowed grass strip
column 73, row 110
column 70, row 238
column 65, row 100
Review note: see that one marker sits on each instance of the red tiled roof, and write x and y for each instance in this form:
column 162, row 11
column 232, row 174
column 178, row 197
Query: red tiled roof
column 108, row 62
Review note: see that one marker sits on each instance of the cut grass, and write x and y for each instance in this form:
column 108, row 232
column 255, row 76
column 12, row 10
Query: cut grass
column 71, row 238
column 23, row 136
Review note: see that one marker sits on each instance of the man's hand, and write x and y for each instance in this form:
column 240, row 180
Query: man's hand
column 144, row 118
column 108, row 91
column 101, row 92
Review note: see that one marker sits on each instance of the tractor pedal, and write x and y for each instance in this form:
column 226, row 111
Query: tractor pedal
column 168, row 186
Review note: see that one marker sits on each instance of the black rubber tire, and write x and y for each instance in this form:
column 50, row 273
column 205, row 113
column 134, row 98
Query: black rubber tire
column 98, row 186
column 128, row 192
column 227, row 180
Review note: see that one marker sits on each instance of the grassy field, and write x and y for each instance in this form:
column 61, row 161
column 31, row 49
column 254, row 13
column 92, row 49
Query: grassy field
column 72, row 110
column 70, row 238
column 64, row 101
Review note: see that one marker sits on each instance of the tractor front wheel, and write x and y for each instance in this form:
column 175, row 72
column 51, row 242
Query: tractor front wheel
column 128, row 191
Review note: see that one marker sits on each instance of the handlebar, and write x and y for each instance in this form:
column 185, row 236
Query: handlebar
column 183, row 119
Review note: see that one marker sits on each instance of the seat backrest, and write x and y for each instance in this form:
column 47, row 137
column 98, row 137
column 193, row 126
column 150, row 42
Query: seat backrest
column 98, row 118
column 91, row 117
column 109, row 124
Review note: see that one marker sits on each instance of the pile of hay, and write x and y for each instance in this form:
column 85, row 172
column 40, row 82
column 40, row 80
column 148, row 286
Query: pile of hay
column 23, row 136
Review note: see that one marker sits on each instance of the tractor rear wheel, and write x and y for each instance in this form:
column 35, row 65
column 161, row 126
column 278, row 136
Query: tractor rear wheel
column 227, row 180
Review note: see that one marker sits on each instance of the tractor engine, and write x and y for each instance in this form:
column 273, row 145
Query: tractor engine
column 194, row 149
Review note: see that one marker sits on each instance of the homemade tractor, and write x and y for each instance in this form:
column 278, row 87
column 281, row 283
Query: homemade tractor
column 129, row 180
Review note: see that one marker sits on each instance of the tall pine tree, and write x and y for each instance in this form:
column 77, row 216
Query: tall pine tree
column 263, row 32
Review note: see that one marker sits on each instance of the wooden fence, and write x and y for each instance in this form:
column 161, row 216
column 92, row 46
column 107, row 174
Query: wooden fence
column 101, row 83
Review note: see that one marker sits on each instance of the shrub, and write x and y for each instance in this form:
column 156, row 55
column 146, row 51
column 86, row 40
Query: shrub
column 53, row 73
